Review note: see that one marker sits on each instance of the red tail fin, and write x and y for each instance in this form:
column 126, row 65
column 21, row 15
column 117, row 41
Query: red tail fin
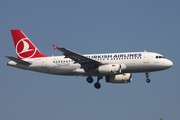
column 24, row 47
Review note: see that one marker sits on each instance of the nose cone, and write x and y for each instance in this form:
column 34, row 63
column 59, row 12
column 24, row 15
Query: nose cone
column 169, row 63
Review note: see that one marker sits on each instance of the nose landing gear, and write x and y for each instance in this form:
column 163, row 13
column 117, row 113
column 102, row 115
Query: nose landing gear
column 147, row 77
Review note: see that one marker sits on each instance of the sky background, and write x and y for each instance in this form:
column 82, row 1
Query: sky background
column 96, row 26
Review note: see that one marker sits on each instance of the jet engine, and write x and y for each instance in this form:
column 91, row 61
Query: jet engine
column 112, row 69
column 122, row 78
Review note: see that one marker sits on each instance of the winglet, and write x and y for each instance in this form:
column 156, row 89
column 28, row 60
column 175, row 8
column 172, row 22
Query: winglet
column 55, row 47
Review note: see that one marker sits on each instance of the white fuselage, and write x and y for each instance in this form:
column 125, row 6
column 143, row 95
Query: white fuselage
column 132, row 61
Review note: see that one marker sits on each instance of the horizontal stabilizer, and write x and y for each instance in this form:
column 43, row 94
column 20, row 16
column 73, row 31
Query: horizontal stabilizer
column 18, row 61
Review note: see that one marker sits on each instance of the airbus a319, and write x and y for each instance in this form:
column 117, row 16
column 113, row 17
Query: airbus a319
column 114, row 67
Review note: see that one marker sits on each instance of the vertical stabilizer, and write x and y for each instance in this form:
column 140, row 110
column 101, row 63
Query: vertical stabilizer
column 24, row 47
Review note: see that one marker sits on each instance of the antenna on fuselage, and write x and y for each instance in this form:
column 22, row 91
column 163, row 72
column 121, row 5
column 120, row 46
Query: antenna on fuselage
column 144, row 50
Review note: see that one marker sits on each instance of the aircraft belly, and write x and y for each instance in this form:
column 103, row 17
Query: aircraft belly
column 139, row 67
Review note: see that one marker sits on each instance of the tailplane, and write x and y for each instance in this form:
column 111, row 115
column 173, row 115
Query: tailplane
column 24, row 47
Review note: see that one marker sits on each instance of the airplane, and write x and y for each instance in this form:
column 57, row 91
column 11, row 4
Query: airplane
column 115, row 67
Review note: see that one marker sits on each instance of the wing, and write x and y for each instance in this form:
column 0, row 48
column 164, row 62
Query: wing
column 78, row 58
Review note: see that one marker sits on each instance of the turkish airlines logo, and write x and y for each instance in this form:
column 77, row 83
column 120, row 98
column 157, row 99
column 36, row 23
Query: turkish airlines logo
column 25, row 49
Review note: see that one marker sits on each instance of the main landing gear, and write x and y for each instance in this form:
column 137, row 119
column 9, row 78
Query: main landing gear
column 89, row 79
column 97, row 85
column 147, row 77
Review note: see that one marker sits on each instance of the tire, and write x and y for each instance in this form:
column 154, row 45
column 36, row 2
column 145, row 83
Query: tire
column 97, row 85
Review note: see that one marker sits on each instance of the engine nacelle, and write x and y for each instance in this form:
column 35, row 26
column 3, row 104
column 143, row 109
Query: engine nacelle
column 122, row 78
column 111, row 69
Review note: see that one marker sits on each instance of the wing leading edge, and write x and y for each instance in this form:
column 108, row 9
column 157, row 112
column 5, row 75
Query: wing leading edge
column 78, row 58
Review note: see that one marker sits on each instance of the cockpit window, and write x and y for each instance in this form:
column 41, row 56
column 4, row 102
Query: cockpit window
column 159, row 57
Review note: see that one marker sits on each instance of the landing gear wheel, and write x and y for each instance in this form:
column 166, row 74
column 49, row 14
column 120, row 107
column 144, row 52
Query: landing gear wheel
column 89, row 79
column 97, row 85
column 148, row 80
